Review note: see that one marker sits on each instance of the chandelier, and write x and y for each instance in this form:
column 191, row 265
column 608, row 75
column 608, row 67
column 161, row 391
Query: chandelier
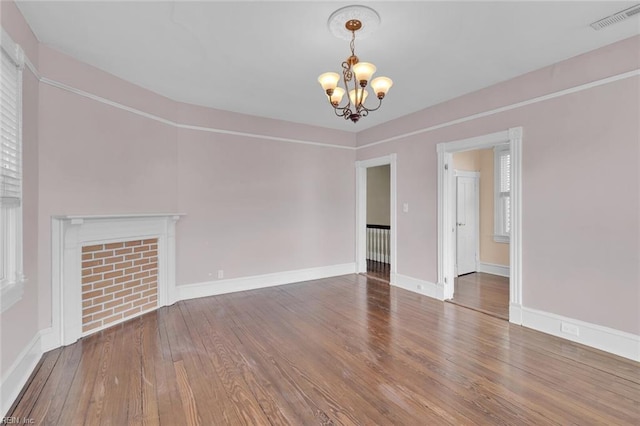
column 355, row 74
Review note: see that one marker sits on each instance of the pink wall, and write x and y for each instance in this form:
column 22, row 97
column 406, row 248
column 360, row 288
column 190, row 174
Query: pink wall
column 97, row 159
column 581, row 187
column 256, row 205
column 291, row 205
column 19, row 324
column 253, row 205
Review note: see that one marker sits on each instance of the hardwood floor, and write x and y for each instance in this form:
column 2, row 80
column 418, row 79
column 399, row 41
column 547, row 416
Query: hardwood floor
column 378, row 270
column 483, row 292
column 345, row 350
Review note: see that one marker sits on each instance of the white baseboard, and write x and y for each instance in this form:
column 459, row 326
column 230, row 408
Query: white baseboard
column 515, row 313
column 617, row 342
column 212, row 288
column 607, row 339
column 610, row 340
column 492, row 268
column 17, row 375
column 48, row 340
column 45, row 340
column 425, row 288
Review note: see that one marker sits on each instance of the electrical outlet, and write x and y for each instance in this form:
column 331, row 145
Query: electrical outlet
column 570, row 329
column 220, row 274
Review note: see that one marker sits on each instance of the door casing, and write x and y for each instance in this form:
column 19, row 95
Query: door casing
column 446, row 203
column 361, row 213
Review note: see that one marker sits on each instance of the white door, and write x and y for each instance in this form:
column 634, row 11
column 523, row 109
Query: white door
column 466, row 224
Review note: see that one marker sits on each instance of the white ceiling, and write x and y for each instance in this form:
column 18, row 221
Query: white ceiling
column 263, row 58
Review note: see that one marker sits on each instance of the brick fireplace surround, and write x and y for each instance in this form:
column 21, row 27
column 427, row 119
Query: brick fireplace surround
column 107, row 269
column 119, row 281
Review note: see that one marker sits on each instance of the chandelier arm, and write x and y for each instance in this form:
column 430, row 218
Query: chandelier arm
column 347, row 75
column 346, row 108
column 345, row 112
column 357, row 99
column 368, row 110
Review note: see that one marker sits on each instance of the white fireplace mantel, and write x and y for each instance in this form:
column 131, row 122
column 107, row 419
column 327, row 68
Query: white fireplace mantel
column 71, row 232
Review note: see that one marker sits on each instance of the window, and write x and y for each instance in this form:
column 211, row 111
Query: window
column 502, row 194
column 11, row 276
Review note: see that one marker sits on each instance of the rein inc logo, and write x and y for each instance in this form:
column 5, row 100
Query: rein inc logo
column 17, row 421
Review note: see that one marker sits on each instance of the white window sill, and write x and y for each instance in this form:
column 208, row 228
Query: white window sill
column 501, row 239
column 11, row 294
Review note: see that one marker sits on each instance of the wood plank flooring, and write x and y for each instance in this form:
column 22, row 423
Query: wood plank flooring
column 483, row 292
column 378, row 270
column 346, row 350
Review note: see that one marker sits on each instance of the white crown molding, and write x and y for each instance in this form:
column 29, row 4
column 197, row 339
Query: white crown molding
column 22, row 59
column 579, row 88
column 147, row 115
column 265, row 137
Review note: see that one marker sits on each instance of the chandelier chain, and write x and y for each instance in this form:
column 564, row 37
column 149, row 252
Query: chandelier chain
column 353, row 43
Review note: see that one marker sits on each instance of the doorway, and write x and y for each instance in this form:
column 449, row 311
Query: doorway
column 447, row 219
column 481, row 280
column 376, row 242
column 378, row 221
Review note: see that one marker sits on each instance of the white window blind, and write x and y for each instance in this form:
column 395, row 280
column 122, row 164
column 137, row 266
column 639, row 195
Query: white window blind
column 11, row 272
column 505, row 190
column 502, row 213
column 10, row 153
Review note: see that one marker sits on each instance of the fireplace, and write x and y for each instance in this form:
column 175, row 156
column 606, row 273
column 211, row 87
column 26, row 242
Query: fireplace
column 108, row 269
column 119, row 281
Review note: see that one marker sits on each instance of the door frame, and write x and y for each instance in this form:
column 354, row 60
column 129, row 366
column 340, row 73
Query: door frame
column 446, row 202
column 361, row 213
column 476, row 177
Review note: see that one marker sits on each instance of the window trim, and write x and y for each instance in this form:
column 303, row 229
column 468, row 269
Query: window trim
column 12, row 285
column 498, row 219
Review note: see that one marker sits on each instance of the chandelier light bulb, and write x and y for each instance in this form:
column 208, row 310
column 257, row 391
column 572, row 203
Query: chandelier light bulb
column 329, row 80
column 336, row 96
column 381, row 86
column 364, row 71
column 361, row 96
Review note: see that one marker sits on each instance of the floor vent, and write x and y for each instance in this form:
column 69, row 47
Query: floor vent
column 618, row 17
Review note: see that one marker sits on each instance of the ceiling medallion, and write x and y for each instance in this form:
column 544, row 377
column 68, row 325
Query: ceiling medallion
column 347, row 21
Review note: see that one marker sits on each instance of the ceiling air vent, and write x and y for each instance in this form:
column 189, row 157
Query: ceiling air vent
column 618, row 17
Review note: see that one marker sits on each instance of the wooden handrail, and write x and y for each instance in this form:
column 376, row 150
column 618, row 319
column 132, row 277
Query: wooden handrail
column 378, row 226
